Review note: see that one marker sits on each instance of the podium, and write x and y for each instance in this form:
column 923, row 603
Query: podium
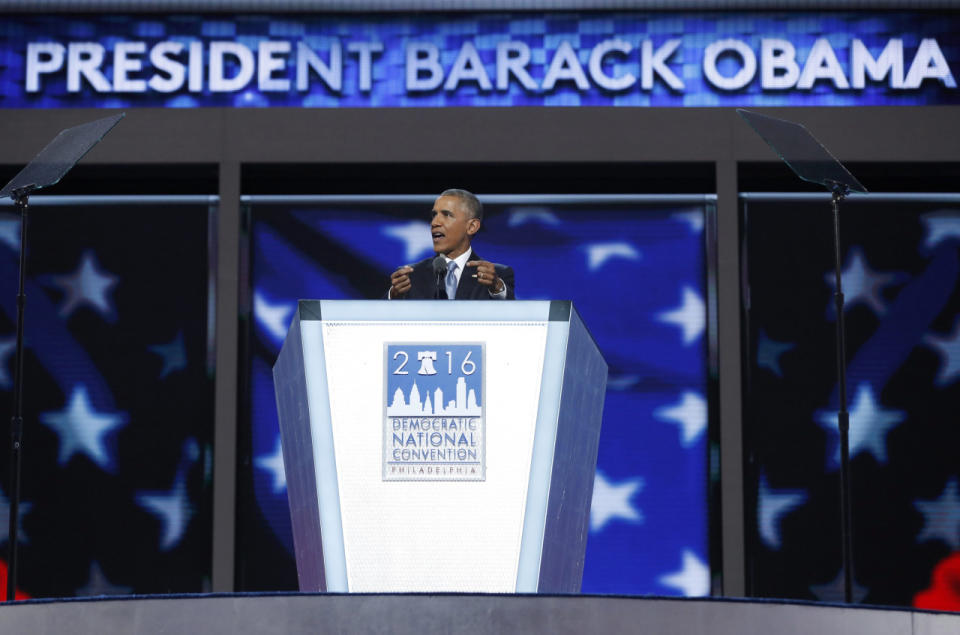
column 439, row 446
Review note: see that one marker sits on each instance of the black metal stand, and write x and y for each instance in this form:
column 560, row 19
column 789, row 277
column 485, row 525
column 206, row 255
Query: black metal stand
column 843, row 417
column 46, row 169
column 20, row 197
column 811, row 161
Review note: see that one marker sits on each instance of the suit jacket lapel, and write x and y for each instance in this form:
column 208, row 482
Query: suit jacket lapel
column 425, row 283
column 469, row 288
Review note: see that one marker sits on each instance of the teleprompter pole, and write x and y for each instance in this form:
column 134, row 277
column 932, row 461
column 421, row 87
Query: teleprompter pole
column 843, row 417
column 16, row 422
column 46, row 169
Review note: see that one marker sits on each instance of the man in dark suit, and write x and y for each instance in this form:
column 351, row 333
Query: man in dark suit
column 456, row 217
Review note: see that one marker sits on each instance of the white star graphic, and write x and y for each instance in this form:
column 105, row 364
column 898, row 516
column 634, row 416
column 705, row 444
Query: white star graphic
column 861, row 285
column 772, row 505
column 172, row 508
column 599, row 253
column 273, row 463
column 173, row 354
column 275, row 318
column 622, row 382
column 692, row 218
column 82, row 429
column 415, row 236
column 869, row 425
column 613, row 501
column 941, row 225
column 88, row 285
column 10, row 231
column 523, row 215
column 948, row 348
column 833, row 591
column 690, row 414
column 690, row 316
column 692, row 580
column 7, row 348
column 191, row 452
column 941, row 516
column 5, row 519
column 769, row 352
column 98, row 584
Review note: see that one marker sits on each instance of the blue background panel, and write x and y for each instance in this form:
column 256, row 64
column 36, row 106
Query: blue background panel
column 635, row 270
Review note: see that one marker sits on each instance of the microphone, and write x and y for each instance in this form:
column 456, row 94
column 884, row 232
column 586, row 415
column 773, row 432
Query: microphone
column 440, row 269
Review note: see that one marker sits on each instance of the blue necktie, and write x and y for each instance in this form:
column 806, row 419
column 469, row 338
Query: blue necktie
column 451, row 280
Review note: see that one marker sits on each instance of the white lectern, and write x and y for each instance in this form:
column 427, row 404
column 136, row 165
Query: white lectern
column 439, row 445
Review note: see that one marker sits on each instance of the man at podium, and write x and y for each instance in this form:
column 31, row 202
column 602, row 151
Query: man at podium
column 456, row 272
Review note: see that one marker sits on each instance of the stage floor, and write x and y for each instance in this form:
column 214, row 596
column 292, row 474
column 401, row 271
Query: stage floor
column 431, row 613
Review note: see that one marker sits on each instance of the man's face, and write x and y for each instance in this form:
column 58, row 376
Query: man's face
column 451, row 226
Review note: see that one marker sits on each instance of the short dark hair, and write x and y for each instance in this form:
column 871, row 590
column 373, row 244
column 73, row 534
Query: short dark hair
column 474, row 206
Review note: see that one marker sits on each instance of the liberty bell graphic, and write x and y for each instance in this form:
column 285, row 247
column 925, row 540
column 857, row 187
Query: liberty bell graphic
column 426, row 362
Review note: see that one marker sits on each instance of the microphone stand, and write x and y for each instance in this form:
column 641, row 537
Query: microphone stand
column 20, row 197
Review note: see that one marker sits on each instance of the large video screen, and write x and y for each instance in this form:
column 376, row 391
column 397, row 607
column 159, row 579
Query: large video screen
column 635, row 268
column 900, row 274
column 117, row 394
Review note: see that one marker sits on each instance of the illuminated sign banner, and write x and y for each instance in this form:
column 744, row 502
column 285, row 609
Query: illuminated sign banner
column 547, row 59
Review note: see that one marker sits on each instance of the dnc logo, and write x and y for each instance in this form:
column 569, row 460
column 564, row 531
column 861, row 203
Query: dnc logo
column 433, row 412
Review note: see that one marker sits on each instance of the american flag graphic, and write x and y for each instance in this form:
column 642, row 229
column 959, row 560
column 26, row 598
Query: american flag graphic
column 119, row 399
column 901, row 264
column 635, row 267
column 118, row 395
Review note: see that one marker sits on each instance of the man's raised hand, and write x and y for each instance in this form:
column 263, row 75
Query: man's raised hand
column 400, row 281
column 487, row 275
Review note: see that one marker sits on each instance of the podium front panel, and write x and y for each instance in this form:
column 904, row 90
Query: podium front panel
column 443, row 533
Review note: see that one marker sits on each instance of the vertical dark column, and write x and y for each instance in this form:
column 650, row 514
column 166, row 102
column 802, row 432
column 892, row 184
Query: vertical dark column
column 731, row 410
column 16, row 422
column 225, row 383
